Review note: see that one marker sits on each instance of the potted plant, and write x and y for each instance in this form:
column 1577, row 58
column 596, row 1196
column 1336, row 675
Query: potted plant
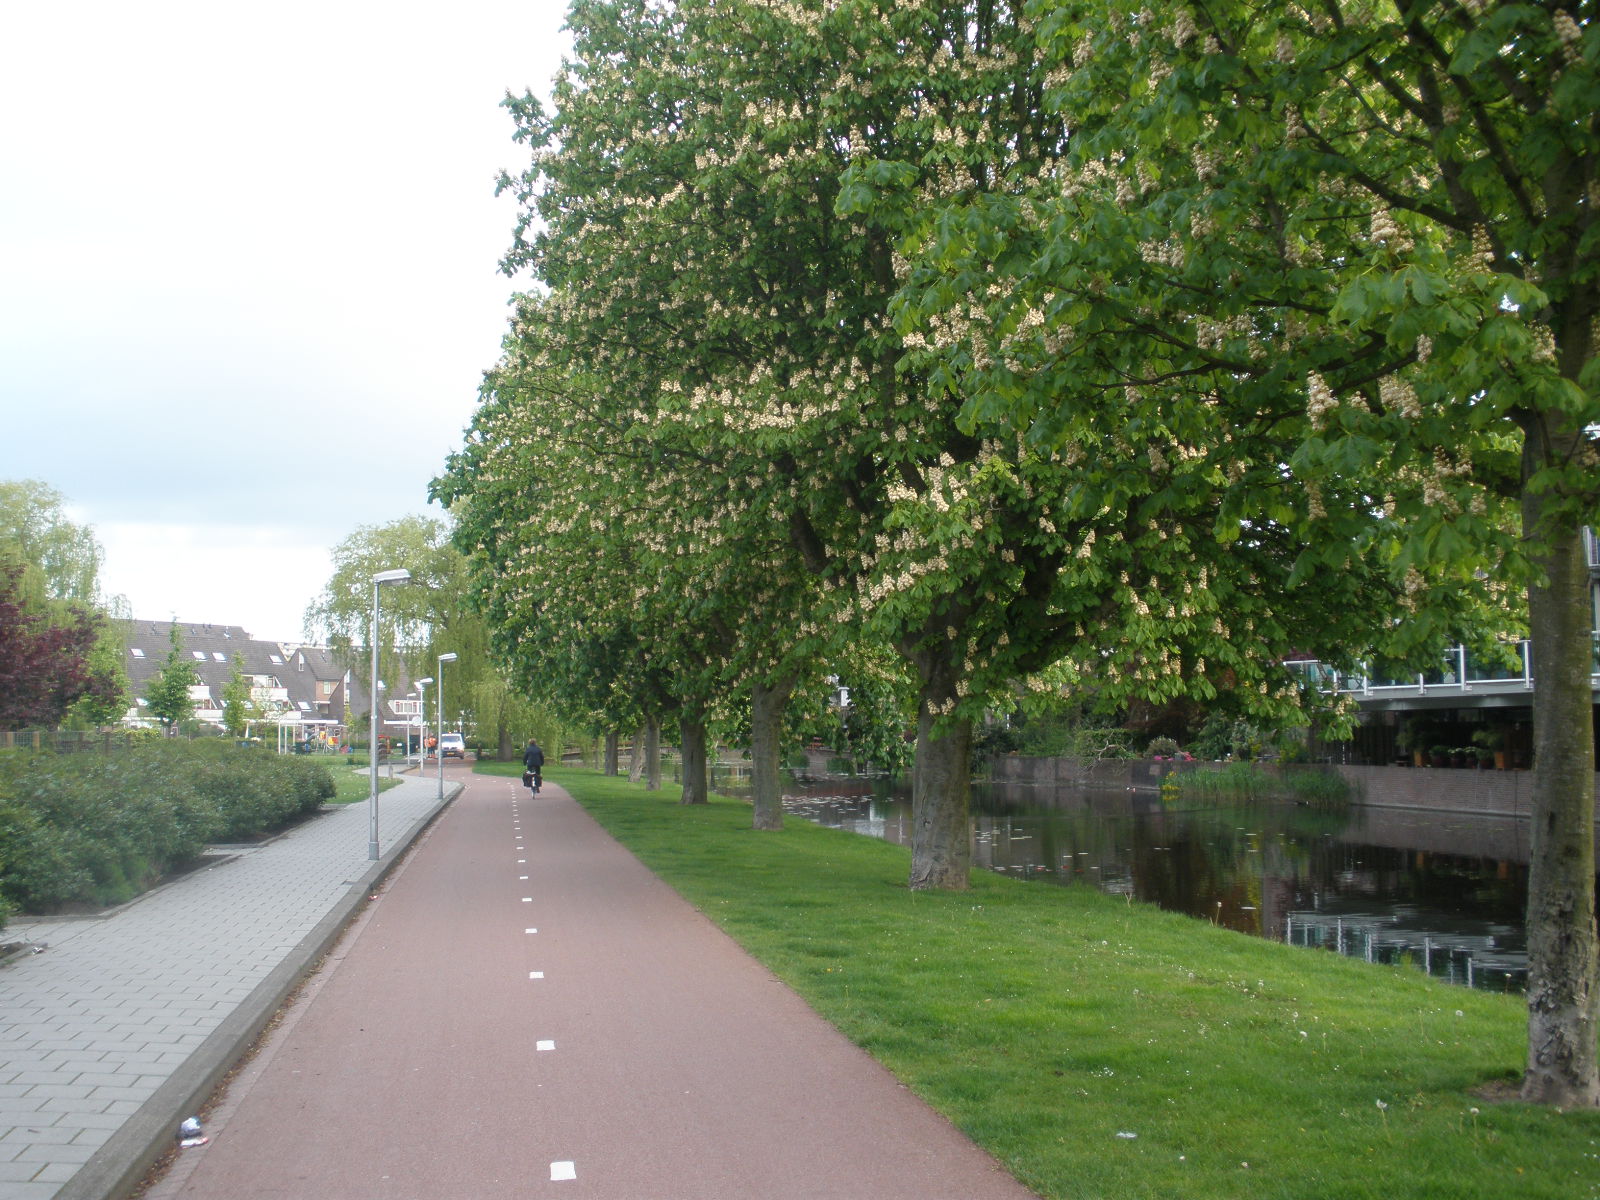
column 1410, row 741
column 1439, row 756
column 1484, row 742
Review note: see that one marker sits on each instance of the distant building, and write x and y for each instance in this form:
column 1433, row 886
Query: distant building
column 293, row 683
column 1462, row 703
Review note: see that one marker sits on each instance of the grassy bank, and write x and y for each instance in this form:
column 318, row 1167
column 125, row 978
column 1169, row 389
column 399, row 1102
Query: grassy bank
column 1105, row 1049
column 355, row 784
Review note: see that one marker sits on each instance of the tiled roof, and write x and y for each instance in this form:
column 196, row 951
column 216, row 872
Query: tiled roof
column 313, row 682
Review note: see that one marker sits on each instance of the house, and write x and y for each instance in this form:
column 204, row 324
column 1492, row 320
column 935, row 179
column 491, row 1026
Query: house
column 295, row 684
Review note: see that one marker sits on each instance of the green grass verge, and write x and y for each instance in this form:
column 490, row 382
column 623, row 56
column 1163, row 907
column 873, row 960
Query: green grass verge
column 353, row 785
column 1050, row 1022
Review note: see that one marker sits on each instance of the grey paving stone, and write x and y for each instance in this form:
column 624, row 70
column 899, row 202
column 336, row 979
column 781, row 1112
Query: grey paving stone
column 115, row 1009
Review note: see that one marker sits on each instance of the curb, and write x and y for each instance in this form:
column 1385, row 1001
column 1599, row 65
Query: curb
column 128, row 1154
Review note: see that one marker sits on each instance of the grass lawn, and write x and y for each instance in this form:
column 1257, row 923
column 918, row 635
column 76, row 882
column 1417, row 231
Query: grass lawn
column 1101, row 1048
column 351, row 785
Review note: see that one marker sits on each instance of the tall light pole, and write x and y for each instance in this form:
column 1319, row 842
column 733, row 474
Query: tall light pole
column 439, row 708
column 399, row 575
column 422, row 726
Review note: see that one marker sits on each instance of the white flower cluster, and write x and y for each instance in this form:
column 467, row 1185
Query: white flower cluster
column 1570, row 37
column 1320, row 401
column 1397, row 395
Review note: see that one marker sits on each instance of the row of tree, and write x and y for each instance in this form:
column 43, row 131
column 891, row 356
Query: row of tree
column 1063, row 345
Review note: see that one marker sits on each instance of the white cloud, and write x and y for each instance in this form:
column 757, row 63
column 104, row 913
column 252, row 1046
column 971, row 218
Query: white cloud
column 260, row 577
column 250, row 278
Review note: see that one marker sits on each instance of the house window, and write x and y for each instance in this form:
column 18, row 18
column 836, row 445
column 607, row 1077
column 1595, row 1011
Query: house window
column 276, row 658
column 199, row 655
column 136, row 652
column 218, row 656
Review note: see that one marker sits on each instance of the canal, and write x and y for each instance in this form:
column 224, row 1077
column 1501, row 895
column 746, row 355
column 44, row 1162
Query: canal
column 1442, row 892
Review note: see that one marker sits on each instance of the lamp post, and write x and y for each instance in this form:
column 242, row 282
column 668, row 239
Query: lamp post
column 422, row 726
column 399, row 575
column 439, row 708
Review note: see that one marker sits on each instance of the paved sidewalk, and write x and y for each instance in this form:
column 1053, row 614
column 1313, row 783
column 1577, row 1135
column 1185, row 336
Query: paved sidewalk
column 125, row 1023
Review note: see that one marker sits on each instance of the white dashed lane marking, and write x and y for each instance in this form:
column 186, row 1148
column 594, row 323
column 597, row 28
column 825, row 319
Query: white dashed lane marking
column 563, row 1170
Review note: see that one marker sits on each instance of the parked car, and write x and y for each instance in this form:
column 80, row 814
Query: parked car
column 452, row 745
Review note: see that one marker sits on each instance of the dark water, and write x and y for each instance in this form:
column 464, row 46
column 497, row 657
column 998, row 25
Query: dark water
column 1445, row 892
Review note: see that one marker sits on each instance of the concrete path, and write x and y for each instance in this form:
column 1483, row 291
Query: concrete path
column 526, row 1011
column 125, row 1022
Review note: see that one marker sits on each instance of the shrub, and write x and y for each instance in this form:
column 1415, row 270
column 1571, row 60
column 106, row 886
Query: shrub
column 97, row 829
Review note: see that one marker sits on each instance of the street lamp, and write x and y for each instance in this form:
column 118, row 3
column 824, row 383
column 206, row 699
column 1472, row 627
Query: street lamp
column 422, row 726
column 439, row 708
column 399, row 575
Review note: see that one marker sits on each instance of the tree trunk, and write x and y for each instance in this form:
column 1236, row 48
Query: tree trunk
column 503, row 751
column 652, row 753
column 612, row 756
column 941, row 782
column 1562, row 984
column 636, row 756
column 692, row 731
column 767, row 705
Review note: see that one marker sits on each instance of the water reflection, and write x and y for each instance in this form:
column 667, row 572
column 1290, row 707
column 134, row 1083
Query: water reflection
column 1444, row 892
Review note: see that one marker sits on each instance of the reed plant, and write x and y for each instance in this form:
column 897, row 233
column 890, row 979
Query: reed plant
column 1248, row 782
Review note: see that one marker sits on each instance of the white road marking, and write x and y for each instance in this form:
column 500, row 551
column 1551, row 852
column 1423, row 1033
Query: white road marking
column 563, row 1170
column 535, row 974
column 544, row 1045
column 527, row 899
column 522, row 877
column 530, row 931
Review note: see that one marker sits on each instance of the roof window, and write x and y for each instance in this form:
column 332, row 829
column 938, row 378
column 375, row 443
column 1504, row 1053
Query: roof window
column 136, row 652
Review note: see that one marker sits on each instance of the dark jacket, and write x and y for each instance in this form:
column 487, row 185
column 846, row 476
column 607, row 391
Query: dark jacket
column 533, row 757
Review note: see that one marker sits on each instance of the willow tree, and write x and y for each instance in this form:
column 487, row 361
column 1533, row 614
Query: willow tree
column 430, row 615
column 1367, row 231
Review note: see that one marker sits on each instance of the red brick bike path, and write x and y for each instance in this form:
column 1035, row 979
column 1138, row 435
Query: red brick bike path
column 526, row 1011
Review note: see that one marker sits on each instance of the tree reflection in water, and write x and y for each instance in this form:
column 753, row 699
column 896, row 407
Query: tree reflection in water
column 1442, row 891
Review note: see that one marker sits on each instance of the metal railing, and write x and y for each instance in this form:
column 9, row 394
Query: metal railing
column 1459, row 670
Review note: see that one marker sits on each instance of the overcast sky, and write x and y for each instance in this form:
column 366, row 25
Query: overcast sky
column 249, row 274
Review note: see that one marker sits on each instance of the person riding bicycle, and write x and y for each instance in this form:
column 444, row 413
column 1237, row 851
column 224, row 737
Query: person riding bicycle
column 532, row 762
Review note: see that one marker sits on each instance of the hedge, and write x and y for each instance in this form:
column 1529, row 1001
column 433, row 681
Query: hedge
column 90, row 830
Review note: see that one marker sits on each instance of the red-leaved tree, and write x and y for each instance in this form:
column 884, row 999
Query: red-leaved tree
column 44, row 667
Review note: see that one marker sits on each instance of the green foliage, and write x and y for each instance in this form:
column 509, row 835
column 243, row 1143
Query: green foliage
column 93, row 829
column 1070, row 735
column 167, row 693
column 238, row 709
column 61, row 558
column 1247, row 782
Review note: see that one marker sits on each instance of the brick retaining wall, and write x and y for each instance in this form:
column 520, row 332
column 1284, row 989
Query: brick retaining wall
column 1441, row 789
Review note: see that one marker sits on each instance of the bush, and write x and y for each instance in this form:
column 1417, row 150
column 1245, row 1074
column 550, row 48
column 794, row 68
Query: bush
column 1247, row 782
column 98, row 829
